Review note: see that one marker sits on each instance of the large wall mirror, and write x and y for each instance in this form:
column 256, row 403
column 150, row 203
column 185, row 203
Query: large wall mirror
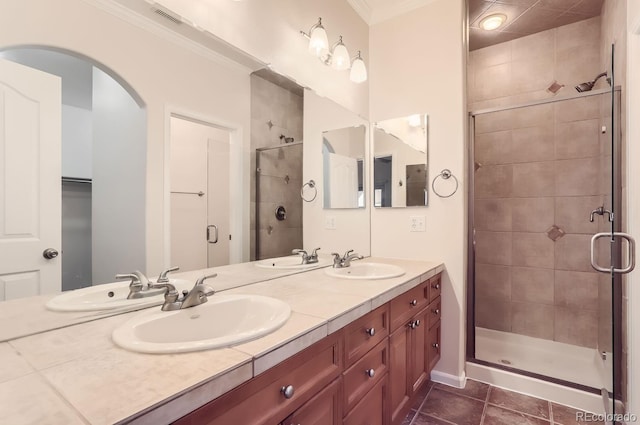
column 401, row 162
column 343, row 159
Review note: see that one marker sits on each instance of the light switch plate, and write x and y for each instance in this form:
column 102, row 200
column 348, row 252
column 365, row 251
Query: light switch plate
column 416, row 223
column 330, row 222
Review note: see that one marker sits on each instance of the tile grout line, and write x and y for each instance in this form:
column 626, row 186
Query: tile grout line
column 551, row 421
column 486, row 403
column 422, row 404
column 522, row 413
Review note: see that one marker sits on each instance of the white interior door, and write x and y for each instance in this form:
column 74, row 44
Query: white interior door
column 219, row 199
column 343, row 181
column 30, row 181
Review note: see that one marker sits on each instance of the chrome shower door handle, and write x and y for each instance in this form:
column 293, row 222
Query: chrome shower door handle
column 631, row 253
column 215, row 232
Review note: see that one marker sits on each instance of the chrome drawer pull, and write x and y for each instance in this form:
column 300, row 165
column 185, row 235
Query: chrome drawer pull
column 370, row 373
column 436, row 286
column 287, row 391
column 436, row 345
column 413, row 303
column 436, row 311
column 370, row 331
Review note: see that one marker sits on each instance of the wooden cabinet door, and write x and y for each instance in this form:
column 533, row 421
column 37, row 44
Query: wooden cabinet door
column 399, row 367
column 434, row 346
column 371, row 409
column 323, row 409
column 419, row 352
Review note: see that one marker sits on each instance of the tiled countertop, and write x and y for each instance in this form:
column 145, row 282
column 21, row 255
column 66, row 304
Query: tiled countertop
column 76, row 375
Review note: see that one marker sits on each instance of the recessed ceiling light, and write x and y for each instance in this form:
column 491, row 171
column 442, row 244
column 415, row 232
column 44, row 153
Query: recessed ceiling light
column 493, row 22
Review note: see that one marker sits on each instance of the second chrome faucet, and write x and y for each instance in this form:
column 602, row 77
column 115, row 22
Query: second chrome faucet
column 345, row 261
column 196, row 296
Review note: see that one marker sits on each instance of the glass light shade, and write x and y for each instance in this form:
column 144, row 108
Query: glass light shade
column 492, row 22
column 318, row 41
column 340, row 59
column 415, row 120
column 358, row 71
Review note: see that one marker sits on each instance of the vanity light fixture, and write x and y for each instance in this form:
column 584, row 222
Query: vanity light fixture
column 415, row 120
column 337, row 56
column 493, row 22
column 318, row 41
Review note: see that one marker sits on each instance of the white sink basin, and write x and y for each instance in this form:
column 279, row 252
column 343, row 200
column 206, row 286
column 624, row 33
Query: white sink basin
column 292, row 262
column 224, row 320
column 366, row 271
column 108, row 297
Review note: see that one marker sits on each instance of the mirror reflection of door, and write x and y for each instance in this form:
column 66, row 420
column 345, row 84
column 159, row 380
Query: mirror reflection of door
column 382, row 183
column 200, row 223
column 96, row 170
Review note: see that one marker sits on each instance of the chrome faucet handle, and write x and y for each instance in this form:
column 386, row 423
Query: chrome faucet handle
column 337, row 260
column 163, row 275
column 198, row 295
column 346, row 254
column 314, row 253
column 142, row 278
column 171, row 296
column 133, row 277
column 135, row 286
column 201, row 280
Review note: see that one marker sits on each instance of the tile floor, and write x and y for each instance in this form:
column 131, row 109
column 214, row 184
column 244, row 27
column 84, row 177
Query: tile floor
column 482, row 404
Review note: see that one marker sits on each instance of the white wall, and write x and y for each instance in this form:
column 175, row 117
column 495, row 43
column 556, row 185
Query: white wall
column 270, row 31
column 633, row 200
column 352, row 225
column 417, row 64
column 164, row 73
column 118, row 187
column 77, row 138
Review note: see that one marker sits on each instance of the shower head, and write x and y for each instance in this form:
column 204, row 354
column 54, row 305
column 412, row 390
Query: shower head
column 589, row 84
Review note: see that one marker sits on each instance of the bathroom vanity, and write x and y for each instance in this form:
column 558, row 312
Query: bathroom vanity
column 353, row 352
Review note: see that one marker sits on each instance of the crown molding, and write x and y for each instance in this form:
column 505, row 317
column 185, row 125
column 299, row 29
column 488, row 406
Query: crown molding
column 135, row 15
column 362, row 8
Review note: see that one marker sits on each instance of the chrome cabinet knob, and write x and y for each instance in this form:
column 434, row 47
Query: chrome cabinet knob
column 413, row 303
column 436, row 345
column 50, row 253
column 370, row 331
column 412, row 324
column 417, row 322
column 436, row 286
column 287, row 391
column 436, row 311
column 370, row 373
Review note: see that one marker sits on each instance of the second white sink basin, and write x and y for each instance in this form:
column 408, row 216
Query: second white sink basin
column 224, row 320
column 366, row 271
column 109, row 296
column 291, row 262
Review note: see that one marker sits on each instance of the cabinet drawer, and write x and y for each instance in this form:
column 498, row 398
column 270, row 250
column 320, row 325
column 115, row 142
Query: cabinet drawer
column 433, row 346
column 323, row 409
column 403, row 307
column 364, row 374
column 365, row 333
column 435, row 287
column 261, row 400
column 371, row 409
column 434, row 312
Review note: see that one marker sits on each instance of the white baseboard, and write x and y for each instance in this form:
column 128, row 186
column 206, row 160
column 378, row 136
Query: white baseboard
column 560, row 394
column 448, row 379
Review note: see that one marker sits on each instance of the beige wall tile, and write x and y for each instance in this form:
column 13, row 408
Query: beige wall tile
column 493, row 214
column 576, row 289
column 539, row 46
column 493, row 148
column 534, row 179
column 534, row 320
column 572, row 253
column 576, row 326
column 532, row 250
column 494, row 181
column 492, row 55
column 494, row 121
column 585, row 32
column 532, row 75
column 533, row 144
column 532, row 214
column 577, row 177
column 492, row 281
column 572, row 213
column 533, row 116
column 532, row 285
column 493, row 248
column 493, row 81
column 577, row 139
column 585, row 108
column 493, row 314
column 574, row 66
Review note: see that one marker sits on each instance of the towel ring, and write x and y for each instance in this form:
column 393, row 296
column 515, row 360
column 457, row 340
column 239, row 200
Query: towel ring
column 445, row 174
column 312, row 185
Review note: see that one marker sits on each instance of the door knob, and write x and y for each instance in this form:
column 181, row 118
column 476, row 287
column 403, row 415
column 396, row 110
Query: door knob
column 49, row 253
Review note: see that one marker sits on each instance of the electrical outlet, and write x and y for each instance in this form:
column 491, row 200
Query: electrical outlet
column 416, row 223
column 330, row 222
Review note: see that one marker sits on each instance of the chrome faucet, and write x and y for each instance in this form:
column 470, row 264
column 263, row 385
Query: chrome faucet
column 345, row 260
column 163, row 275
column 307, row 258
column 198, row 294
column 138, row 286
